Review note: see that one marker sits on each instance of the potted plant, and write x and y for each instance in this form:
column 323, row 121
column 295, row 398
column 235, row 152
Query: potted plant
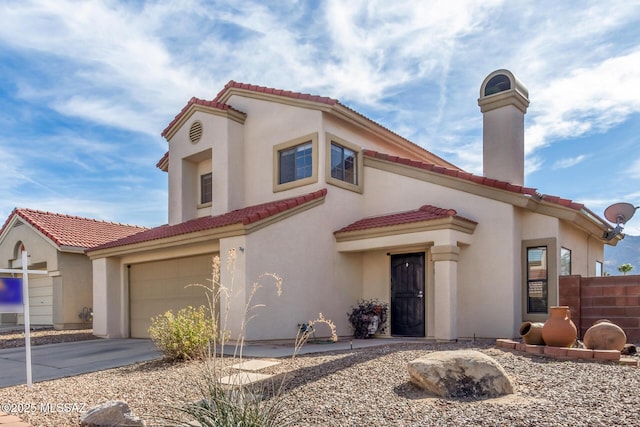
column 368, row 317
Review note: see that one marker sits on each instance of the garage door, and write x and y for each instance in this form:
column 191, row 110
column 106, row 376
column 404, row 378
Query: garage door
column 40, row 301
column 156, row 287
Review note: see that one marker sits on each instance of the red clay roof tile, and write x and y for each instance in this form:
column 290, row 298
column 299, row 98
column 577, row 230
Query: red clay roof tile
column 197, row 101
column 73, row 231
column 424, row 213
column 503, row 185
column 243, row 216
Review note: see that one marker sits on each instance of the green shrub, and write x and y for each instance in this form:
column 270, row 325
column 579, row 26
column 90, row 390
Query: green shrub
column 186, row 335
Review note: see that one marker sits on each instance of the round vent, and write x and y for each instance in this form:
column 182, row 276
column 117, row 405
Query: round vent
column 195, row 133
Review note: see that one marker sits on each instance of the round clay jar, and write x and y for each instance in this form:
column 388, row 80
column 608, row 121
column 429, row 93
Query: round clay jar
column 559, row 330
column 605, row 335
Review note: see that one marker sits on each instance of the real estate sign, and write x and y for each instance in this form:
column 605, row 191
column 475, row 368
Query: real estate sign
column 11, row 295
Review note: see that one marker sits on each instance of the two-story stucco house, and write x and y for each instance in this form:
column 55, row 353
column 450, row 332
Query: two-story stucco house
column 344, row 209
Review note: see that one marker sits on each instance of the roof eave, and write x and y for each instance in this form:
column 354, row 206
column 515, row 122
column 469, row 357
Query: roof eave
column 229, row 113
column 232, row 230
column 446, row 223
column 355, row 118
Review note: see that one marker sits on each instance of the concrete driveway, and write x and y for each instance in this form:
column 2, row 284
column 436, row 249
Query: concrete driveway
column 53, row 361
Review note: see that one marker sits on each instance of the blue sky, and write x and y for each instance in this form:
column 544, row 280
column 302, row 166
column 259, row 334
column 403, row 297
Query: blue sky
column 87, row 87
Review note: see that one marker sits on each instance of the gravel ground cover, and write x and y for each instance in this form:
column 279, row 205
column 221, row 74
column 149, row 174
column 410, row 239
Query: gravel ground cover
column 362, row 387
column 14, row 339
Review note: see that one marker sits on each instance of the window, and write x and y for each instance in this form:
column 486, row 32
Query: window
column 296, row 163
column 206, row 188
column 344, row 164
column 565, row 262
column 537, row 280
column 599, row 269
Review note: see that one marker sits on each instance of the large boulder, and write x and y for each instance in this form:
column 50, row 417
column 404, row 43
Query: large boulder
column 113, row 414
column 460, row 373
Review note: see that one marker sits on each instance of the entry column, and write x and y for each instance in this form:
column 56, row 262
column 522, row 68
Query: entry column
column 445, row 264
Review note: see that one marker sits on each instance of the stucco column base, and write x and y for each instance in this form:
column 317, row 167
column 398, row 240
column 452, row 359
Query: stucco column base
column 445, row 261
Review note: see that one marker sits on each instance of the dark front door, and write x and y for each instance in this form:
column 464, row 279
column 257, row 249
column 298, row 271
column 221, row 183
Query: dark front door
column 407, row 295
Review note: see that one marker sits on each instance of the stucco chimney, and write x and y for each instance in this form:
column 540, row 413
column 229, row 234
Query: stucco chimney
column 503, row 102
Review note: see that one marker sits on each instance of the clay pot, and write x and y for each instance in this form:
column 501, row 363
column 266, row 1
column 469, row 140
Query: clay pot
column 559, row 330
column 605, row 335
column 532, row 333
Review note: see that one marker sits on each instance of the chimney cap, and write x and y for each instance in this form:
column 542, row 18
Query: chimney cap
column 502, row 88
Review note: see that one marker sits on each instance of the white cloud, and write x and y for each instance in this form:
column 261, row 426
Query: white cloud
column 568, row 162
column 633, row 171
column 587, row 100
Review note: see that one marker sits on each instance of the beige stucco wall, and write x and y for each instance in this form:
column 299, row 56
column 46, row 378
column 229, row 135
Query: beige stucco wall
column 220, row 146
column 315, row 279
column 73, row 290
column 585, row 250
column 488, row 271
column 110, row 300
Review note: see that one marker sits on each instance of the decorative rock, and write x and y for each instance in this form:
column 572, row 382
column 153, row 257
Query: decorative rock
column 110, row 414
column 461, row 373
column 605, row 335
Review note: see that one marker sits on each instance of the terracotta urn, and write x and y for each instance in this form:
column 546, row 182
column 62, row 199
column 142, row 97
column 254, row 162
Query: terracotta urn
column 532, row 333
column 559, row 330
column 605, row 335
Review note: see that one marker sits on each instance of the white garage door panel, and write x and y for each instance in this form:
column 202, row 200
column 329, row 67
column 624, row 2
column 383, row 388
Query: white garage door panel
column 40, row 302
column 156, row 287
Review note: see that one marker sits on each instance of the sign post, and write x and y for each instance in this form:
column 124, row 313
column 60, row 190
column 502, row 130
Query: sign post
column 16, row 300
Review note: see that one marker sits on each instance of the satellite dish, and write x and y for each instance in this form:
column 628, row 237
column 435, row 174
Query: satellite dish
column 620, row 213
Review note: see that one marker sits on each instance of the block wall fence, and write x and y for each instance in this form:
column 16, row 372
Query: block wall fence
column 616, row 298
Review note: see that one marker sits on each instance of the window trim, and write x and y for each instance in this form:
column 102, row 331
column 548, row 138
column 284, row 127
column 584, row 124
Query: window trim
column 334, row 139
column 552, row 277
column 313, row 138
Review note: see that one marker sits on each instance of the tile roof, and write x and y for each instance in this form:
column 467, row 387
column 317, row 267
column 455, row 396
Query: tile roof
column 323, row 100
column 163, row 163
column 424, row 213
column 503, row 185
column 277, row 92
column 244, row 216
column 197, row 101
column 73, row 231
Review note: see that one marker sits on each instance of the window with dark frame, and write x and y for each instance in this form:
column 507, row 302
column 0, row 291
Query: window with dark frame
column 206, row 188
column 344, row 164
column 537, row 280
column 565, row 262
column 295, row 163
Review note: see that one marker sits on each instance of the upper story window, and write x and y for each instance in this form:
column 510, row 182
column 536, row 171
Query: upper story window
column 344, row 164
column 206, row 188
column 295, row 162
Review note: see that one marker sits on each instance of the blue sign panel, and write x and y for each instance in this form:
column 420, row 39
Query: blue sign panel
column 11, row 295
